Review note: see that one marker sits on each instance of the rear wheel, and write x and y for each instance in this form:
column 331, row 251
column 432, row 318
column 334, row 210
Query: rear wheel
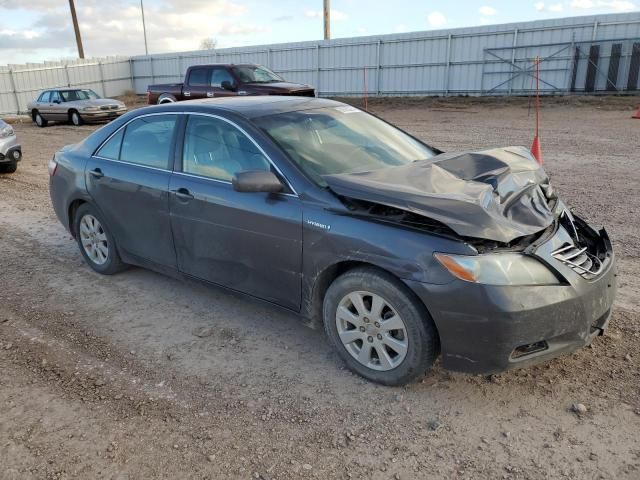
column 97, row 245
column 39, row 119
column 75, row 118
column 378, row 327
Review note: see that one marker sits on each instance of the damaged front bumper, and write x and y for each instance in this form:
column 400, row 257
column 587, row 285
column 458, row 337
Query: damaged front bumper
column 487, row 329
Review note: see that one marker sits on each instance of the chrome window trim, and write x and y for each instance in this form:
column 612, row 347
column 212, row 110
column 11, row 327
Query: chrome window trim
column 203, row 114
column 133, row 164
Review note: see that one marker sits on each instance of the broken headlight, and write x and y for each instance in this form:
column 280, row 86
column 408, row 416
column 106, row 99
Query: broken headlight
column 498, row 269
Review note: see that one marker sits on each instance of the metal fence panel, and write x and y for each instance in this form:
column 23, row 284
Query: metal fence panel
column 485, row 60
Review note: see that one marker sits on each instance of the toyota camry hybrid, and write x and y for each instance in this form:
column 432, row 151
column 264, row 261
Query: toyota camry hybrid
column 402, row 251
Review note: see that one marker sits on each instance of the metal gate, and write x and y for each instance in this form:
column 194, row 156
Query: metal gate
column 603, row 66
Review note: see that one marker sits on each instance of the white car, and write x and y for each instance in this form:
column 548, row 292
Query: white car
column 10, row 149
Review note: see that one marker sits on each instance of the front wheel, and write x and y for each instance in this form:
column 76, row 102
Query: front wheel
column 379, row 328
column 75, row 118
column 97, row 245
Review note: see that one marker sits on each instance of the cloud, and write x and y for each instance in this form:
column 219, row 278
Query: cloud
column 615, row 5
column 436, row 19
column 400, row 28
column 336, row 15
column 487, row 11
column 284, row 18
column 555, row 7
column 172, row 25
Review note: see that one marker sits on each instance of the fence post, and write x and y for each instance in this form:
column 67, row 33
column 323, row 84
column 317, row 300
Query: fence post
column 269, row 58
column 448, row 68
column 378, row 66
column 153, row 75
column 66, row 74
column 513, row 57
column 100, row 69
column 13, row 89
column 595, row 31
column 133, row 85
column 318, row 69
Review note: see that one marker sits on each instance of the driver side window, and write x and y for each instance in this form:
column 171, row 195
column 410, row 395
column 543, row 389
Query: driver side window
column 216, row 149
column 55, row 97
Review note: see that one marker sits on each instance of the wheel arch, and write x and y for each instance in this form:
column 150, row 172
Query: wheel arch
column 71, row 212
column 313, row 301
column 166, row 98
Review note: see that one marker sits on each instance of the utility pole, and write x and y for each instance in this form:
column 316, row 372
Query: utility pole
column 76, row 28
column 144, row 29
column 327, row 19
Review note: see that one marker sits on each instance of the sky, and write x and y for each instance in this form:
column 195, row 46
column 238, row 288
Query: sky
column 39, row 30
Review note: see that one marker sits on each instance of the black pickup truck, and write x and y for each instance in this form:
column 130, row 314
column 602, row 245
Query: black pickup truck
column 224, row 80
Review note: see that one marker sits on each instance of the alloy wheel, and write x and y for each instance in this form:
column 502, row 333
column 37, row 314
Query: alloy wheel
column 94, row 239
column 371, row 330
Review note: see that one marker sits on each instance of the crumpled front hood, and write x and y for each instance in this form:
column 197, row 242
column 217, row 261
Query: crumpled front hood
column 498, row 194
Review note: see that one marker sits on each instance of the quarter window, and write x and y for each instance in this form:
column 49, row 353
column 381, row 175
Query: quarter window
column 216, row 149
column 111, row 149
column 145, row 141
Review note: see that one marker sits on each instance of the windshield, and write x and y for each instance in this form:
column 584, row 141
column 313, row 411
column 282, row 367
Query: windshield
column 75, row 95
column 256, row 74
column 341, row 139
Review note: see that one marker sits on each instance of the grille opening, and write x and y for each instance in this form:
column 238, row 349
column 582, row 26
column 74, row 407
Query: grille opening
column 529, row 349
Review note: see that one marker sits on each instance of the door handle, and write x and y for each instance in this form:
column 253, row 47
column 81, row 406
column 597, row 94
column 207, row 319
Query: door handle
column 97, row 173
column 186, row 94
column 183, row 194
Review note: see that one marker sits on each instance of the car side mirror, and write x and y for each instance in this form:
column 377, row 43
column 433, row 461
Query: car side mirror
column 227, row 85
column 257, row 181
column 56, row 101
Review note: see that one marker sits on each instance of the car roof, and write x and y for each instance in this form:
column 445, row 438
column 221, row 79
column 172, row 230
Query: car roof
column 259, row 106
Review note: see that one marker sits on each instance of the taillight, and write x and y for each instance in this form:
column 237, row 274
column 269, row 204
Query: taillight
column 148, row 96
column 52, row 166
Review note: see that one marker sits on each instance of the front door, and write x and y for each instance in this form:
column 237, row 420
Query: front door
column 128, row 179
column 249, row 242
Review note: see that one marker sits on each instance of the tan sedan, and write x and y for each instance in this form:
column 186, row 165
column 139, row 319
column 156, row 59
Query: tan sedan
column 73, row 105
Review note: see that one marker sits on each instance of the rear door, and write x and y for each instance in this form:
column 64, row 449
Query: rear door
column 198, row 83
column 250, row 242
column 128, row 179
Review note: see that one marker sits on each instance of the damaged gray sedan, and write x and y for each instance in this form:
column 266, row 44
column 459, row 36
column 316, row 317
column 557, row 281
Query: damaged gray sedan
column 402, row 251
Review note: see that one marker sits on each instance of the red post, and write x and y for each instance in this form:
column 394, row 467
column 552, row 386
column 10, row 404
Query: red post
column 536, row 150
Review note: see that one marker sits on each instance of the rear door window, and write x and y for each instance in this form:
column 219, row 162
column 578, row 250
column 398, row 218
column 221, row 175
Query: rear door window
column 200, row 77
column 145, row 141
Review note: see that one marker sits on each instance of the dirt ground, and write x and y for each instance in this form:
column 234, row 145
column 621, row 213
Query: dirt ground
column 143, row 376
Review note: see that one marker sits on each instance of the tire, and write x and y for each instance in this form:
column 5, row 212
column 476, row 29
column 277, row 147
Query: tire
column 75, row 118
column 401, row 354
column 39, row 119
column 104, row 257
column 10, row 167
